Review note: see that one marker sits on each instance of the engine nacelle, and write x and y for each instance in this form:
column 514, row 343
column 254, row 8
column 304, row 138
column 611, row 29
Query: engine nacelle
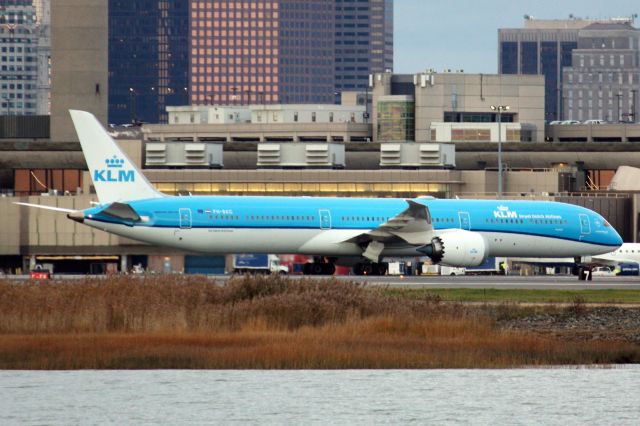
column 457, row 248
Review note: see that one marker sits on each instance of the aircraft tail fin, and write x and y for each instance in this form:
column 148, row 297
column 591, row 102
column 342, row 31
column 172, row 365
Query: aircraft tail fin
column 114, row 175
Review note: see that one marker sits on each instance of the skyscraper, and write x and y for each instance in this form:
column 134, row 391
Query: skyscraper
column 262, row 51
column 541, row 47
column 603, row 82
column 148, row 58
column 364, row 42
column 287, row 51
column 547, row 47
column 169, row 52
column 19, row 33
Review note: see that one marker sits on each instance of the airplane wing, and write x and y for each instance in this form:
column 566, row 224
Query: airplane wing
column 413, row 226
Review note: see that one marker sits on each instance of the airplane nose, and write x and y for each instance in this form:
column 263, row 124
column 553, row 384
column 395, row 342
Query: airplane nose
column 617, row 239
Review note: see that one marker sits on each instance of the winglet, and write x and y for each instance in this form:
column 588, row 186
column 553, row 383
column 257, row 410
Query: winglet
column 114, row 175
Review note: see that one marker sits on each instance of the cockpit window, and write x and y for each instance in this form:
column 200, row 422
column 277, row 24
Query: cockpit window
column 606, row 224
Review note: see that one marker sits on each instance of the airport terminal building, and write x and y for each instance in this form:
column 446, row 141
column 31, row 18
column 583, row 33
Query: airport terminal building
column 424, row 134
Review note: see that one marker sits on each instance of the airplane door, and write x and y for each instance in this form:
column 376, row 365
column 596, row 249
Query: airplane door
column 465, row 220
column 585, row 226
column 185, row 218
column 325, row 219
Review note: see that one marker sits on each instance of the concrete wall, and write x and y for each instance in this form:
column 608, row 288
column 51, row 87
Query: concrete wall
column 40, row 231
column 9, row 227
column 516, row 183
column 437, row 93
column 79, row 63
column 476, row 93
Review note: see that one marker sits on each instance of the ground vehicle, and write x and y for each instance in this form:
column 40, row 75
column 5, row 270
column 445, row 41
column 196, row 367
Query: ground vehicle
column 595, row 122
column 566, row 122
column 442, row 270
column 450, row 270
column 258, row 264
column 491, row 266
column 397, row 268
column 629, row 269
column 603, row 271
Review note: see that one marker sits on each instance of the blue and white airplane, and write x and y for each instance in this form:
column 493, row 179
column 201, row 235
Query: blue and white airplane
column 356, row 231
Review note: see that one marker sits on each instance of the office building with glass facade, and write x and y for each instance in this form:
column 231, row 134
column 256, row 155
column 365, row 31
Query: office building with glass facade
column 396, row 118
column 603, row 82
column 287, row 51
column 203, row 52
column 542, row 47
column 148, row 59
column 19, row 32
column 545, row 47
column 364, row 42
column 261, row 51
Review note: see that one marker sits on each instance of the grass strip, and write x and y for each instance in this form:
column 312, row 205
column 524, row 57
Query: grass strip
column 519, row 296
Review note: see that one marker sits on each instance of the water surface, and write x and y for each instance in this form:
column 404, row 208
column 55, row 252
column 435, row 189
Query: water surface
column 558, row 396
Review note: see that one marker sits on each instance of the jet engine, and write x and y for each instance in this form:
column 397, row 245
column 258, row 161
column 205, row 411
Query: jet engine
column 457, row 248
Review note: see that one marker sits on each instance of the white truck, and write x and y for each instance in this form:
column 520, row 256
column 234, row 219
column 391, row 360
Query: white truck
column 442, row 270
column 258, row 264
column 491, row 266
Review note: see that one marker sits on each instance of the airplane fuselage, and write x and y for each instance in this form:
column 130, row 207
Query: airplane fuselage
column 323, row 226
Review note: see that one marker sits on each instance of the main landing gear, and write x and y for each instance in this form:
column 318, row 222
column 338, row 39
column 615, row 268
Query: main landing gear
column 320, row 266
column 373, row 269
column 319, row 269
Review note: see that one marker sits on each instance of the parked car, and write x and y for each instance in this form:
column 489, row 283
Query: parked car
column 603, row 271
column 595, row 122
column 555, row 122
column 568, row 122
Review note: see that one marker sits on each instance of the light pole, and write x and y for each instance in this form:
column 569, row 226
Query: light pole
column 500, row 109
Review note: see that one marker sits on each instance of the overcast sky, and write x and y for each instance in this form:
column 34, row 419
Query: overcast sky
column 463, row 34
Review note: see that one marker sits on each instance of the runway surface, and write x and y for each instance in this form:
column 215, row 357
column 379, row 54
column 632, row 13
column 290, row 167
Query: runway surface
column 498, row 282
column 501, row 282
column 479, row 282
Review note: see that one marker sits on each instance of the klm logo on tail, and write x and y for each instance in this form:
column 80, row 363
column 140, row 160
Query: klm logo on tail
column 114, row 172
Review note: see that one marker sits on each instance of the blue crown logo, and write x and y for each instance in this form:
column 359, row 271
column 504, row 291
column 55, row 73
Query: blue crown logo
column 114, row 163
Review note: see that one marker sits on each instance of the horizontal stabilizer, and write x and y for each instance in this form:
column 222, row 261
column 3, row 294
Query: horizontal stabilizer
column 121, row 211
column 40, row 206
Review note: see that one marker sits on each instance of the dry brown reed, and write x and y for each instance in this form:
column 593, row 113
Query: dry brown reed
column 261, row 322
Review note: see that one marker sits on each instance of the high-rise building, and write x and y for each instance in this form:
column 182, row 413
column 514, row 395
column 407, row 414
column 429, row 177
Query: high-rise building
column 148, row 58
column 262, row 51
column 43, row 25
column 546, row 47
column 541, row 47
column 79, row 63
column 364, row 42
column 169, row 52
column 603, row 82
column 19, row 33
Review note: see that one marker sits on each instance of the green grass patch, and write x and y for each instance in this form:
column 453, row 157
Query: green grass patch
column 514, row 295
